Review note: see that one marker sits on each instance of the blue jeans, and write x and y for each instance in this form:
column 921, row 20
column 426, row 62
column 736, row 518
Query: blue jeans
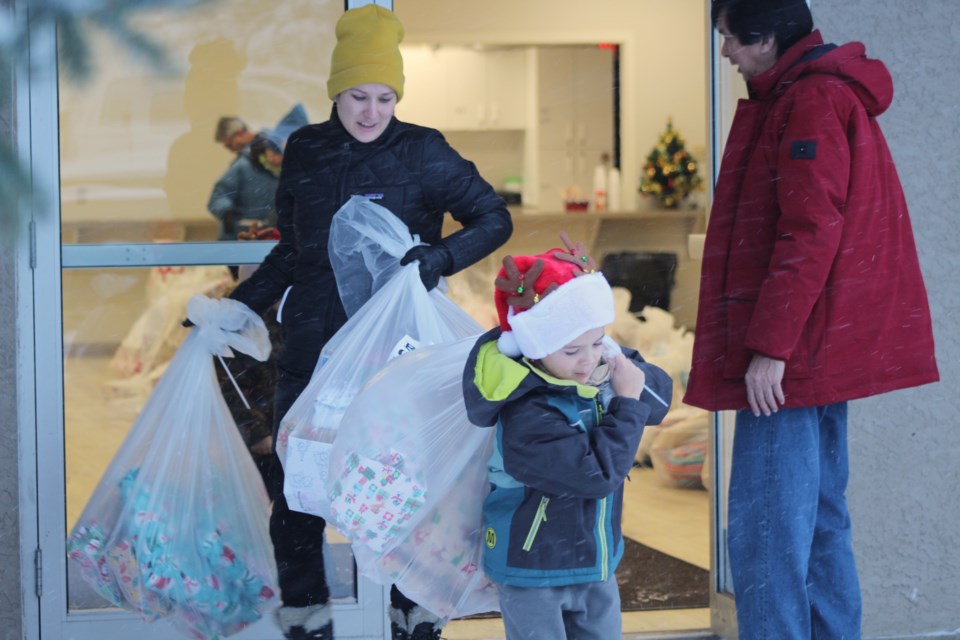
column 789, row 539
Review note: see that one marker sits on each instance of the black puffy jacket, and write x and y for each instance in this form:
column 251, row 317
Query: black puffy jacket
column 410, row 170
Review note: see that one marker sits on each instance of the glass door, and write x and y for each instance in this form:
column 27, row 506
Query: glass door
column 128, row 160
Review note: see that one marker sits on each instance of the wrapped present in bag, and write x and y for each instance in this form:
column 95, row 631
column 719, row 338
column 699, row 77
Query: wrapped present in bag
column 177, row 526
column 398, row 317
column 679, row 450
column 156, row 334
column 408, row 476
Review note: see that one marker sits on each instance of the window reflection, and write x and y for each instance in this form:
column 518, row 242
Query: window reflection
column 138, row 154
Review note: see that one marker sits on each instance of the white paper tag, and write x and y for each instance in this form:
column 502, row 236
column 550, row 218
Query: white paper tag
column 305, row 476
column 406, row 345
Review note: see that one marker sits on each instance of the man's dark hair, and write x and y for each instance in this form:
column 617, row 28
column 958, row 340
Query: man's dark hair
column 787, row 21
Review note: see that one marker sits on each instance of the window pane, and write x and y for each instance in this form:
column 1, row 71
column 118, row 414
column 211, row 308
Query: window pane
column 138, row 156
column 121, row 327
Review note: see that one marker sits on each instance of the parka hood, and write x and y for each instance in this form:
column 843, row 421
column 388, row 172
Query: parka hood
column 491, row 379
column 867, row 77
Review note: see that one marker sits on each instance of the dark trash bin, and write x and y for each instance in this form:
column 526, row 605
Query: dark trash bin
column 650, row 277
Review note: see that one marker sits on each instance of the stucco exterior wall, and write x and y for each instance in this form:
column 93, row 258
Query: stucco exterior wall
column 10, row 605
column 903, row 446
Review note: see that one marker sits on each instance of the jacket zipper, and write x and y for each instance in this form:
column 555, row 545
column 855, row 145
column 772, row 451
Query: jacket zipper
column 541, row 516
column 602, row 533
column 602, row 516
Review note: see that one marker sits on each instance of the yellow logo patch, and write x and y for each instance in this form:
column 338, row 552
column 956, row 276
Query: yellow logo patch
column 491, row 538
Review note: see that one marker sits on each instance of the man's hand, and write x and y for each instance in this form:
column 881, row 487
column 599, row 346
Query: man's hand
column 763, row 379
column 434, row 261
column 256, row 232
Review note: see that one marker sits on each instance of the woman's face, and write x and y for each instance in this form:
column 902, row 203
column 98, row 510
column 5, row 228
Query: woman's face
column 366, row 110
column 578, row 359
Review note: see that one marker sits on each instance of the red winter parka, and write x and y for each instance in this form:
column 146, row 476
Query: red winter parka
column 809, row 255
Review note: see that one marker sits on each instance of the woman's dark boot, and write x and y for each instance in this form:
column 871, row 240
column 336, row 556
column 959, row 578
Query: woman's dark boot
column 306, row 623
column 417, row 624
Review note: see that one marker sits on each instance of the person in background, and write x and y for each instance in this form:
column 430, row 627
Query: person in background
column 569, row 407
column 247, row 190
column 810, row 296
column 233, row 134
column 268, row 153
column 412, row 171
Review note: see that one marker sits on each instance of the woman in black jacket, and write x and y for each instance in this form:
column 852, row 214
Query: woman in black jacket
column 412, row 171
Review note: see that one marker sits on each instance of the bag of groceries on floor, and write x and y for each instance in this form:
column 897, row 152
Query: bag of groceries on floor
column 390, row 314
column 177, row 526
column 408, row 477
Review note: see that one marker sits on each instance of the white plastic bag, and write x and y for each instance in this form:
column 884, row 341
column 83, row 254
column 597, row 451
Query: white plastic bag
column 157, row 333
column 408, row 477
column 400, row 317
column 365, row 246
column 177, row 526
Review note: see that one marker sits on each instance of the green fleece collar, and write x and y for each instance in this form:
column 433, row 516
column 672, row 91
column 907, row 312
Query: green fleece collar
column 583, row 390
column 498, row 376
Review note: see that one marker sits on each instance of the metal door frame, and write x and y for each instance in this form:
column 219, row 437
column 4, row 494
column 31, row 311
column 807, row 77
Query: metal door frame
column 725, row 89
column 41, row 384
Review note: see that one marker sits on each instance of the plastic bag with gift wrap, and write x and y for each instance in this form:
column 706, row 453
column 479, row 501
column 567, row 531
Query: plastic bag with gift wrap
column 177, row 526
column 398, row 317
column 408, row 477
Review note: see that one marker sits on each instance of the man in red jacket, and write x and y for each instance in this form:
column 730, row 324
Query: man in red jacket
column 810, row 296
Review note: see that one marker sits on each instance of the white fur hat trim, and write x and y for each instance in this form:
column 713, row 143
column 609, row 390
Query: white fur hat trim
column 579, row 305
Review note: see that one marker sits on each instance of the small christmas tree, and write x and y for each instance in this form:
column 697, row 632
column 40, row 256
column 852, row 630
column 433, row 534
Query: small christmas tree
column 670, row 173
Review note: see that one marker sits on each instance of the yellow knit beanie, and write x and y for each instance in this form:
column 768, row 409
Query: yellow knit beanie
column 367, row 50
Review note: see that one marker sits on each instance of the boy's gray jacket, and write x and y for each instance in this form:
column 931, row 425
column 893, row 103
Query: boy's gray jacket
column 557, row 470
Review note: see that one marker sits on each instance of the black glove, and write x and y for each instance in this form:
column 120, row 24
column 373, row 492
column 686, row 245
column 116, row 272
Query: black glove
column 435, row 261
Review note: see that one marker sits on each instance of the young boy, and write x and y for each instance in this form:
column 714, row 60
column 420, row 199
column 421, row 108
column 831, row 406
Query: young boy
column 569, row 407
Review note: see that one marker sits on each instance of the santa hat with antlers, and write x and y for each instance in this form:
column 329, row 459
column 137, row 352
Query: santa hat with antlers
column 546, row 301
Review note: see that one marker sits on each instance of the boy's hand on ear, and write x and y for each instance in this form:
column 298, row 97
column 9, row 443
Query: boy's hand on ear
column 626, row 378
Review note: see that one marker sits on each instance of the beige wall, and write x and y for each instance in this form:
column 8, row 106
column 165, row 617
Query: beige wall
column 152, row 137
column 663, row 76
column 662, row 70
